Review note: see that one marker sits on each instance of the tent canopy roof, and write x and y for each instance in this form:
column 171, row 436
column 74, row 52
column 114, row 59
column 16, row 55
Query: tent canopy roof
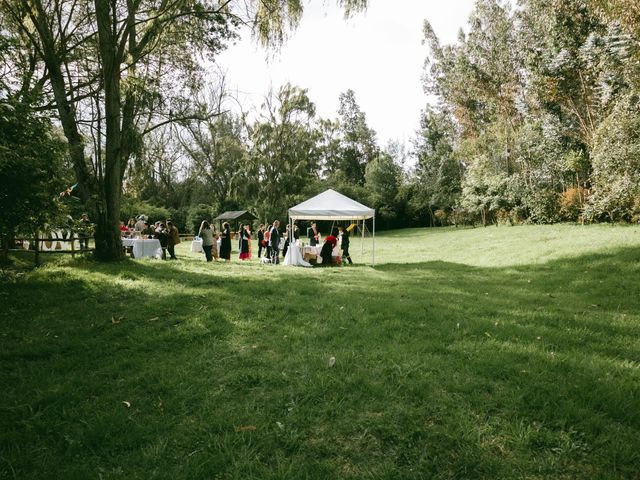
column 235, row 215
column 330, row 205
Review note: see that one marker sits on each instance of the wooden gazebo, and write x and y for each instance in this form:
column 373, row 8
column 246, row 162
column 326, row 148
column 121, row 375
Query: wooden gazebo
column 234, row 217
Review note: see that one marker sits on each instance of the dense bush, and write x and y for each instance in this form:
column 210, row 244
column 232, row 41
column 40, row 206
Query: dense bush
column 616, row 164
column 195, row 216
column 131, row 208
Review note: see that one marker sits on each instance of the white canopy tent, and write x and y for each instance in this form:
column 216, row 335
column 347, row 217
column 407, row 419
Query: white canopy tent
column 331, row 205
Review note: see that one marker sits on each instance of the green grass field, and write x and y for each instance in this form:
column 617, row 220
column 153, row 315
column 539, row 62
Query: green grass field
column 492, row 353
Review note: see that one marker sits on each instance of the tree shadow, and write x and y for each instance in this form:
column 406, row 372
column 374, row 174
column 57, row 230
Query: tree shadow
column 528, row 368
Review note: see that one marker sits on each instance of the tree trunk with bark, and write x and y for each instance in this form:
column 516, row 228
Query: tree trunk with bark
column 108, row 243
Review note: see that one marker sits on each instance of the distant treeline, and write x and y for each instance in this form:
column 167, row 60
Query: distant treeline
column 537, row 120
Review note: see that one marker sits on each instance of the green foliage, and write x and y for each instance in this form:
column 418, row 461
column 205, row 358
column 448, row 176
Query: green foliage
column 195, row 216
column 31, row 169
column 131, row 208
column 616, row 164
column 531, row 92
column 383, row 178
column 284, row 152
column 357, row 142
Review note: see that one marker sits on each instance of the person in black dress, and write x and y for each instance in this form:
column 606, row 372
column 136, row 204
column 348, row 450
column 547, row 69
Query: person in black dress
column 260, row 240
column 245, row 243
column 225, row 242
column 287, row 241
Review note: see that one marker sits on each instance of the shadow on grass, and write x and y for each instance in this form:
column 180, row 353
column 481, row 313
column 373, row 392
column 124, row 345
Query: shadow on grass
column 442, row 370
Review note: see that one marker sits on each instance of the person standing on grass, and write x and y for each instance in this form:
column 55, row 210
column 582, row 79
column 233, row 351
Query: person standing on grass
column 245, row 243
column 274, row 241
column 174, row 239
column 260, row 240
column 267, row 234
column 287, row 241
column 345, row 245
column 163, row 237
column 225, row 242
column 216, row 237
column 206, row 234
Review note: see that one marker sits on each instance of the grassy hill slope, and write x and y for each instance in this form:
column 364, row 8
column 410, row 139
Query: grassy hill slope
column 471, row 353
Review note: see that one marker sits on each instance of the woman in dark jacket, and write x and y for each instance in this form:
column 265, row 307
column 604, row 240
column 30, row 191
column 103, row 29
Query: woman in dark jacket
column 225, row 242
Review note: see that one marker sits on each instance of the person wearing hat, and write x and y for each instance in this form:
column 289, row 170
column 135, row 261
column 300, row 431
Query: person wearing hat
column 139, row 226
column 345, row 244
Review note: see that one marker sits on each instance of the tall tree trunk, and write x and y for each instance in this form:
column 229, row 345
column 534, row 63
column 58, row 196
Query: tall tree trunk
column 66, row 111
column 108, row 243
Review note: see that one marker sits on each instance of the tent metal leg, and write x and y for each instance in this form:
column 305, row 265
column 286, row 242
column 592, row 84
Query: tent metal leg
column 373, row 260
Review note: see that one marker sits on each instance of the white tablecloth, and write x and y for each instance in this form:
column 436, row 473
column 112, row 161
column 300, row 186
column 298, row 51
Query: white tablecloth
column 127, row 242
column 308, row 249
column 145, row 247
column 294, row 257
column 196, row 245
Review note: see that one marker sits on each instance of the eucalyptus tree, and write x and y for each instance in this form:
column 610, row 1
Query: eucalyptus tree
column 217, row 155
column 115, row 71
column 437, row 182
column 284, row 151
column 358, row 144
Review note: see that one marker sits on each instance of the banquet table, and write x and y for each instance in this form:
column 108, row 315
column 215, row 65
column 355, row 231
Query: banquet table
column 196, row 245
column 143, row 247
column 294, row 257
column 309, row 252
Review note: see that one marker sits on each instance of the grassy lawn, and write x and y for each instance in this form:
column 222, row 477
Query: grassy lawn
column 509, row 352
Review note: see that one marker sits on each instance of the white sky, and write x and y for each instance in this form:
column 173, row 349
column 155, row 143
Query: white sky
column 378, row 54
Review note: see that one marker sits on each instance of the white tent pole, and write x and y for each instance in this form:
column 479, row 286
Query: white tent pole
column 362, row 239
column 373, row 262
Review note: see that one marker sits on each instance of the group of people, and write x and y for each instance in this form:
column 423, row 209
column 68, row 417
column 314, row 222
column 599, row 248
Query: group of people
column 217, row 245
column 165, row 232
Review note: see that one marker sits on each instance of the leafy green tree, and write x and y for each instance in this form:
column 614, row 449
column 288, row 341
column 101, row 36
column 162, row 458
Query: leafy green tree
column 218, row 154
column 438, row 172
column 134, row 66
column 284, row 152
column 358, row 144
column 31, row 168
column 616, row 165
column 195, row 216
column 383, row 179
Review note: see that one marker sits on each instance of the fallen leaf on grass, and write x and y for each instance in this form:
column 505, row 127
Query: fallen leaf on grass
column 595, row 305
column 154, row 319
column 246, row 428
column 280, row 425
column 126, row 404
column 116, row 320
column 332, row 361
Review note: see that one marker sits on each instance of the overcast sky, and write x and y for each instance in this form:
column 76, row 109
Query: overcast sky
column 378, row 54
